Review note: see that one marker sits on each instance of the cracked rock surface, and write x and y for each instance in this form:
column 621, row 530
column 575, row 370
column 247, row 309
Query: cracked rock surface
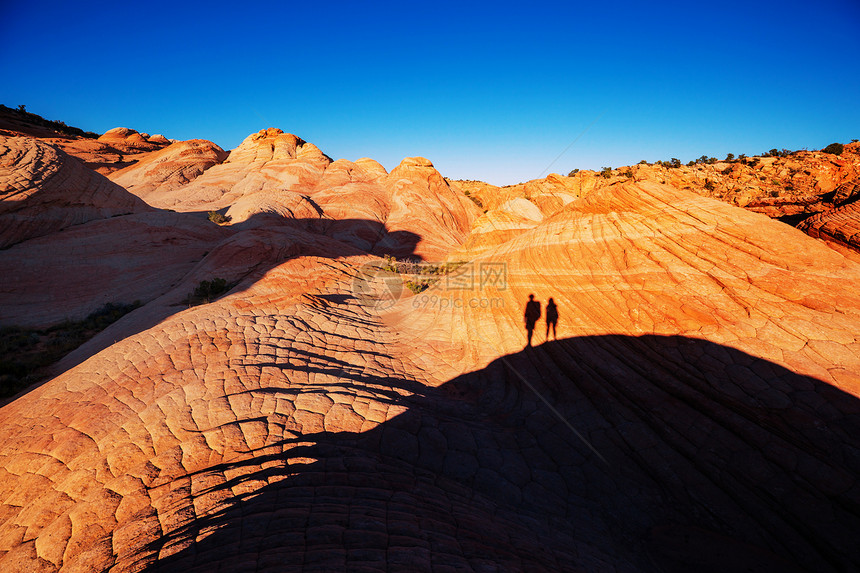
column 697, row 410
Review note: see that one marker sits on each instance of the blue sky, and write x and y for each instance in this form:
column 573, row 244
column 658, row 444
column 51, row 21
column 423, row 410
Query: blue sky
column 492, row 91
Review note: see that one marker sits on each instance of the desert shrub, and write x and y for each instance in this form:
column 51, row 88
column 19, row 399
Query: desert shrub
column 709, row 185
column 606, row 172
column 573, row 172
column 730, row 157
column 418, row 286
column 419, row 276
column 218, row 218
column 58, row 126
column 834, row 148
column 25, row 352
column 777, row 153
column 390, row 264
column 107, row 315
column 474, row 199
column 207, row 291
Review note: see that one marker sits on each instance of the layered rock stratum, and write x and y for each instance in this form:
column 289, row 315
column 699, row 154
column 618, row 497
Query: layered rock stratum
column 43, row 190
column 697, row 409
column 792, row 188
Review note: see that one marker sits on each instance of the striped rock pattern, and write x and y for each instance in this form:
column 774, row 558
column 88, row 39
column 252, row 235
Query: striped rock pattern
column 44, row 190
column 699, row 411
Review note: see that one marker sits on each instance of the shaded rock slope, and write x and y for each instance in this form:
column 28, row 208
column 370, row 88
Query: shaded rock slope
column 115, row 149
column 43, row 190
column 697, row 410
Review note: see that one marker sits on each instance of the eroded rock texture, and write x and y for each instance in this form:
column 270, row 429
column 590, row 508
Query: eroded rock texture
column 169, row 168
column 117, row 148
column 840, row 226
column 43, row 190
column 275, row 178
column 790, row 188
column 698, row 410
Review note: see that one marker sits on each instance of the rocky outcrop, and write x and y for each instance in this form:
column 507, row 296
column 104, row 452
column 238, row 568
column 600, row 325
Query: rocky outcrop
column 128, row 140
column 43, row 190
column 170, row 168
column 422, row 203
column 699, row 409
column 840, row 226
column 277, row 178
column 116, row 149
column 790, row 188
column 265, row 162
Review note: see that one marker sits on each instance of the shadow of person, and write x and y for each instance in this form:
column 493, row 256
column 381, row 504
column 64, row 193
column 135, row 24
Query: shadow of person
column 532, row 315
column 551, row 318
column 485, row 469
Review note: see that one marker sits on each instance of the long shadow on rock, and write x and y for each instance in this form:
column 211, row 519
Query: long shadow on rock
column 709, row 460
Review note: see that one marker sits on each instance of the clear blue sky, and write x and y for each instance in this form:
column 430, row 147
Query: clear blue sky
column 492, row 91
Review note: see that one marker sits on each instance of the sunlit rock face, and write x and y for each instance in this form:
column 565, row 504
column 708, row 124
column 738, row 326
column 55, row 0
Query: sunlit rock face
column 791, row 188
column 696, row 408
column 275, row 177
column 169, row 168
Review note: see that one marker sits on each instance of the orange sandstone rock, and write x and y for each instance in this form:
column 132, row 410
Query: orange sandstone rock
column 698, row 410
column 43, row 190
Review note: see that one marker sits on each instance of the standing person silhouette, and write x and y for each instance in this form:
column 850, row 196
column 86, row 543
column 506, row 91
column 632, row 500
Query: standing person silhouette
column 551, row 318
column 532, row 315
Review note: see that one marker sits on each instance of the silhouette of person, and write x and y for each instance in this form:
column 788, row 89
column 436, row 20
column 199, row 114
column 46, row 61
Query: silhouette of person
column 551, row 318
column 532, row 315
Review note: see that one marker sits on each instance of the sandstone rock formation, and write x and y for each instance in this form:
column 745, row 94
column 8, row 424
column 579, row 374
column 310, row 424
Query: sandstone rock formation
column 170, row 168
column 124, row 134
column 266, row 161
column 116, row 149
column 277, row 178
column 139, row 257
column 43, row 190
column 840, row 226
column 791, row 188
column 698, row 412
